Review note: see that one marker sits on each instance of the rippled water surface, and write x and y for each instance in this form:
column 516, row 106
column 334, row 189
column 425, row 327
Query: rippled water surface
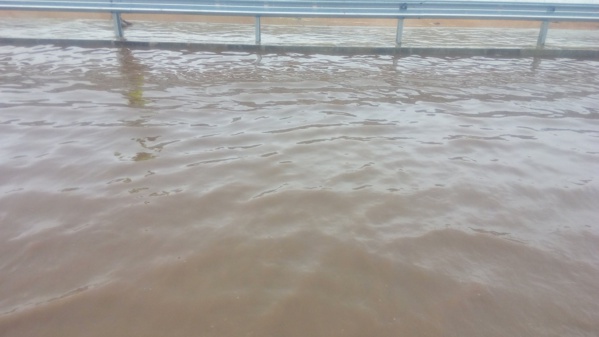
column 178, row 193
column 298, row 34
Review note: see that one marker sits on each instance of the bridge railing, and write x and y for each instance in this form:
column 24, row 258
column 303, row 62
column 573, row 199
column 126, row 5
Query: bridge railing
column 544, row 12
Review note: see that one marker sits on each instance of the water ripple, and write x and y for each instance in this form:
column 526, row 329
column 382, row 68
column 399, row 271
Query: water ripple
column 374, row 194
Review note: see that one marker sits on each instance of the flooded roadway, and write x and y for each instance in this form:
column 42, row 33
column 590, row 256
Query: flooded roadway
column 183, row 193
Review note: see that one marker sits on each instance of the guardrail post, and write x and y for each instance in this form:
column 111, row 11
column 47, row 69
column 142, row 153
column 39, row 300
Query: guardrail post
column 543, row 34
column 118, row 26
column 399, row 32
column 258, row 34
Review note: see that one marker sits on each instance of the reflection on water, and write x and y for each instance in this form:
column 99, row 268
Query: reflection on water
column 133, row 73
column 179, row 193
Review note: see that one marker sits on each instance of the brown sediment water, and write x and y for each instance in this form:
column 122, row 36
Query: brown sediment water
column 208, row 33
column 180, row 193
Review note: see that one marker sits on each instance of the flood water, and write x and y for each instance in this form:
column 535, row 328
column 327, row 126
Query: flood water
column 186, row 193
column 300, row 33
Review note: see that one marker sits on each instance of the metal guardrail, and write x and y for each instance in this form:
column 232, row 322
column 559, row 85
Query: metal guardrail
column 544, row 12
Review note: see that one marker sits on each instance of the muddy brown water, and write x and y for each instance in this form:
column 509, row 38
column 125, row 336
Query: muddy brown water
column 178, row 193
